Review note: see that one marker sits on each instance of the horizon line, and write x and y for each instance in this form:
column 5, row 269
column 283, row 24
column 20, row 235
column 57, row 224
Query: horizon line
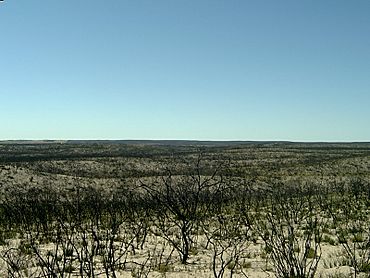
column 189, row 140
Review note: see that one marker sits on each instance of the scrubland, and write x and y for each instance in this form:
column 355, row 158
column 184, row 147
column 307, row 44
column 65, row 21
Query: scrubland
column 184, row 209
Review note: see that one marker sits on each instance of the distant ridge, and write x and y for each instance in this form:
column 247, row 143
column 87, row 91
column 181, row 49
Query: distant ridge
column 142, row 142
column 188, row 143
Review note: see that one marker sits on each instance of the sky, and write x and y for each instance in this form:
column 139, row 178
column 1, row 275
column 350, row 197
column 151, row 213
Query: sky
column 185, row 69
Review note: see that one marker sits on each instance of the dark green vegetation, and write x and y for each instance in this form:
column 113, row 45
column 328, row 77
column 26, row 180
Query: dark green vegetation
column 218, row 209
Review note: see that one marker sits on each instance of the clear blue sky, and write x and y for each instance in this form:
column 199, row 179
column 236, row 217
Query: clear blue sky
column 185, row 69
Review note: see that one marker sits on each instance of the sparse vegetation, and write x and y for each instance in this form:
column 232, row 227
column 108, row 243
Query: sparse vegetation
column 100, row 210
